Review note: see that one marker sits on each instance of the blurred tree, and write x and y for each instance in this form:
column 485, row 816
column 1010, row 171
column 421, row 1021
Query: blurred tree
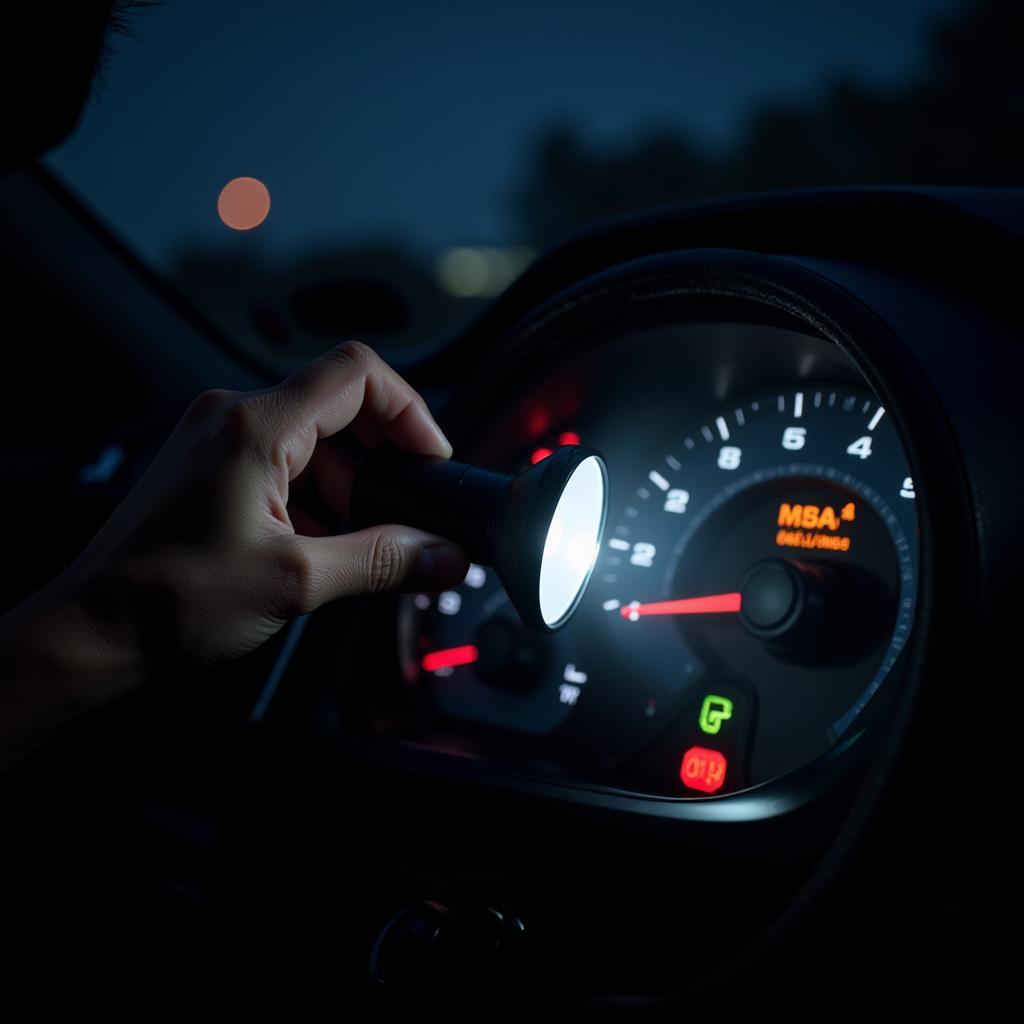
column 961, row 122
column 571, row 183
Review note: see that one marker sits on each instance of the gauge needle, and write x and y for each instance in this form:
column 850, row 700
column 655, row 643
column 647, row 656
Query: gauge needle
column 711, row 604
column 450, row 657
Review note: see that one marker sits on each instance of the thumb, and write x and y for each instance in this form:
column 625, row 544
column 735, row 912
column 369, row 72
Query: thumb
column 371, row 561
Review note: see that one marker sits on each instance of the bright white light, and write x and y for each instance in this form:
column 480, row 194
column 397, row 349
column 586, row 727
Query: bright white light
column 571, row 546
column 580, row 553
column 556, row 534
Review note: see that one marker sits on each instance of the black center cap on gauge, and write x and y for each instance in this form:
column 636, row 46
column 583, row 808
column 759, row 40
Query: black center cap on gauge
column 773, row 593
column 804, row 611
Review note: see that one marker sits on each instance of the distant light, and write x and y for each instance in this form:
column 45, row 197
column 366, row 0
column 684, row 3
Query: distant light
column 482, row 272
column 569, row 437
column 463, row 272
column 539, row 455
column 243, row 203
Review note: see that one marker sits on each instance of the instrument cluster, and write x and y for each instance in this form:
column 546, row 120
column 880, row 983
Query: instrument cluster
column 754, row 591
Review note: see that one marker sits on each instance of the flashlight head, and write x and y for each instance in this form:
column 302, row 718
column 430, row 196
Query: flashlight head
column 546, row 535
column 540, row 530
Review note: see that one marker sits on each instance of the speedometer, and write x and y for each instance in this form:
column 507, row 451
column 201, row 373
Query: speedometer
column 754, row 591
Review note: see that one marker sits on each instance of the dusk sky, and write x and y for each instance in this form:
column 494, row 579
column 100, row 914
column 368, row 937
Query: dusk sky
column 413, row 120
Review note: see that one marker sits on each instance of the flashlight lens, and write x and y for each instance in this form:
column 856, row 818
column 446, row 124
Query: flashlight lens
column 573, row 536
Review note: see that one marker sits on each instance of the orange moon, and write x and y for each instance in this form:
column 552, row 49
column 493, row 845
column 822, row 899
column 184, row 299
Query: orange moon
column 243, row 203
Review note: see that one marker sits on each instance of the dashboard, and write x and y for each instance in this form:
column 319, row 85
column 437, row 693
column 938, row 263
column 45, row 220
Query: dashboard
column 785, row 589
column 755, row 590
column 775, row 746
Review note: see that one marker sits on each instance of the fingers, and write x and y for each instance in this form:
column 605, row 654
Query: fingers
column 331, row 473
column 304, row 523
column 316, row 570
column 351, row 384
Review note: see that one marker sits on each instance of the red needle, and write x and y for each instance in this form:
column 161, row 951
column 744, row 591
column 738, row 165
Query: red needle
column 450, row 657
column 686, row 606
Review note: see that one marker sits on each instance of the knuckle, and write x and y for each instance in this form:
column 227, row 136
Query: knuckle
column 208, row 403
column 386, row 562
column 354, row 353
column 297, row 574
column 243, row 423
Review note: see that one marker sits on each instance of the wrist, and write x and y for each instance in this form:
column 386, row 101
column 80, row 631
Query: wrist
column 58, row 660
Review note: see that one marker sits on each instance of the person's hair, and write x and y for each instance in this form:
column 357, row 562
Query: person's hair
column 120, row 22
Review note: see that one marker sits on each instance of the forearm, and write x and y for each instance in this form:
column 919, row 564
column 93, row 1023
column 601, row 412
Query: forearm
column 57, row 661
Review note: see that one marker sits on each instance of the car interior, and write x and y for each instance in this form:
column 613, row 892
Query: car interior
column 760, row 767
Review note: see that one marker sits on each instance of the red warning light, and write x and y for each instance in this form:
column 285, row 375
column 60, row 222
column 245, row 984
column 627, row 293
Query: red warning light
column 570, row 437
column 539, row 455
column 703, row 769
column 538, row 423
column 449, row 658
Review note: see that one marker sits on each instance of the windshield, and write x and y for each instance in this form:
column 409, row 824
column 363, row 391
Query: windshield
column 310, row 172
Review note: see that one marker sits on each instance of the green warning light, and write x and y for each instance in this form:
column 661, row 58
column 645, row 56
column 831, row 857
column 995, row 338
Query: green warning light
column 713, row 712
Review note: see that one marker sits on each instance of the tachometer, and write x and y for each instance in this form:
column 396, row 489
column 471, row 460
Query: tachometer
column 762, row 577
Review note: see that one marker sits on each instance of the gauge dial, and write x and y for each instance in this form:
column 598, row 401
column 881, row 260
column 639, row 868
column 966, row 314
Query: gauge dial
column 754, row 591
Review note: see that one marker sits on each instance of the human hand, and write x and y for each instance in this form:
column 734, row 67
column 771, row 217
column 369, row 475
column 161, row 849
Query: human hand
column 203, row 561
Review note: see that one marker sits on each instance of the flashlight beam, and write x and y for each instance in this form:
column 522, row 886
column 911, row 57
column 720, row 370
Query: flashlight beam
column 709, row 605
column 450, row 657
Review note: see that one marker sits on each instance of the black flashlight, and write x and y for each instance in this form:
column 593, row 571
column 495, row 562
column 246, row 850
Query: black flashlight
column 540, row 530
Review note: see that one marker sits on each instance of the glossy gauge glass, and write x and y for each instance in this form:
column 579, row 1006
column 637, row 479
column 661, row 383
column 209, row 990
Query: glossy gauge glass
column 754, row 591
